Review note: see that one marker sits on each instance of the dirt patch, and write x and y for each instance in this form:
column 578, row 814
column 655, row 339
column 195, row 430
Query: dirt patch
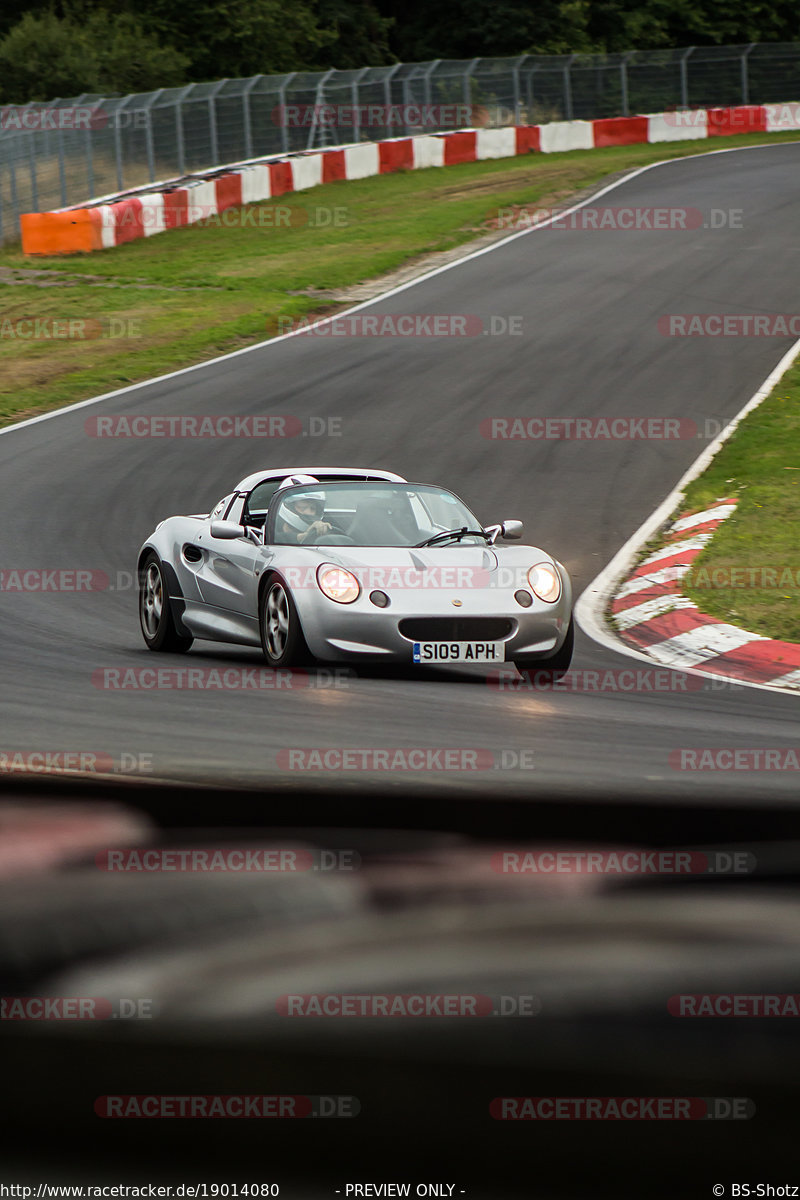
column 369, row 289
column 22, row 275
column 492, row 185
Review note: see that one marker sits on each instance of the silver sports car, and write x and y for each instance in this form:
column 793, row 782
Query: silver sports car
column 342, row 564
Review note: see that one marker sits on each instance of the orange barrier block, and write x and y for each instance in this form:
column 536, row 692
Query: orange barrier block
column 71, row 232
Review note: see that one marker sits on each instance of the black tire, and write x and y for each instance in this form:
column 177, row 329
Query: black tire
column 155, row 613
column 557, row 664
column 281, row 633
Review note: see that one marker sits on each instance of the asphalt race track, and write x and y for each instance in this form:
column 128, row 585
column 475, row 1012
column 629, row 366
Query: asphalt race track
column 589, row 303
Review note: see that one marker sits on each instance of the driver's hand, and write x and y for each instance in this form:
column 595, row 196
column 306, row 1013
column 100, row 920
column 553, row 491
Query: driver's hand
column 315, row 527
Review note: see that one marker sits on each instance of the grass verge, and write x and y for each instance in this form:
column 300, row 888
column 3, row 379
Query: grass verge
column 179, row 298
column 749, row 574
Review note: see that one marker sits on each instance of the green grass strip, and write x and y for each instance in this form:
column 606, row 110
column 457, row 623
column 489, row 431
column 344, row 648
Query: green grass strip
column 749, row 574
column 179, row 298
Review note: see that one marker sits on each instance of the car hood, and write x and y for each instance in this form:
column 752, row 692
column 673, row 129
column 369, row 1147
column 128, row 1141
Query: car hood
column 430, row 566
column 404, row 558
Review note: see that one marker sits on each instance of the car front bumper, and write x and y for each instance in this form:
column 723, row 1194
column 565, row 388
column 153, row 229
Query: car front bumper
column 347, row 632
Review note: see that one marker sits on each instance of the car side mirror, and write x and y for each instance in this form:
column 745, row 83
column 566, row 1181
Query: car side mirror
column 227, row 530
column 509, row 530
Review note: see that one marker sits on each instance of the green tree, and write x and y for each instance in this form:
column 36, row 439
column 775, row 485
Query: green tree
column 362, row 34
column 486, row 28
column 626, row 24
column 228, row 39
column 45, row 55
column 65, row 47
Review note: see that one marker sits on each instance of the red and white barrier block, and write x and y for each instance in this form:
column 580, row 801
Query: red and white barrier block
column 651, row 614
column 115, row 221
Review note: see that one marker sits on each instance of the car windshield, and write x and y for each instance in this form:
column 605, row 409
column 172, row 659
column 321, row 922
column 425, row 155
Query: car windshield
column 382, row 514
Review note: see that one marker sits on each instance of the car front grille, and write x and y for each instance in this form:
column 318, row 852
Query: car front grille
column 456, row 629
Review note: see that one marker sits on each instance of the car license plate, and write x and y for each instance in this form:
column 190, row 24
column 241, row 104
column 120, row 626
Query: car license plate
column 458, row 652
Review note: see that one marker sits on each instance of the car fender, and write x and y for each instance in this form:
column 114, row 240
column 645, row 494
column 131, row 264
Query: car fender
column 167, row 541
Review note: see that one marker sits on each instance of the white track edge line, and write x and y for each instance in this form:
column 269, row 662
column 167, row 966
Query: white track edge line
column 592, row 603
column 49, row 416
column 589, row 608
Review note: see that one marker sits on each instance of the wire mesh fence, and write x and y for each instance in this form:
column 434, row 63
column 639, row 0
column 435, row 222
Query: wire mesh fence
column 66, row 152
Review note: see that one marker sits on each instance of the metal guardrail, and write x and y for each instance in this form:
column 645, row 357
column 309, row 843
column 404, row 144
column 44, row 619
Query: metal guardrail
column 67, row 151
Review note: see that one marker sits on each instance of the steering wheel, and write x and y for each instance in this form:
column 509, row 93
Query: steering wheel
column 315, row 538
column 334, row 538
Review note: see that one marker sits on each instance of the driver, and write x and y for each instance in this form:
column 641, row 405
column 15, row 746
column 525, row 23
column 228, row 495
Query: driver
column 309, row 509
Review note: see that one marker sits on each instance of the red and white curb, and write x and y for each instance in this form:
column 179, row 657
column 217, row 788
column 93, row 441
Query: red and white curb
column 652, row 615
column 122, row 217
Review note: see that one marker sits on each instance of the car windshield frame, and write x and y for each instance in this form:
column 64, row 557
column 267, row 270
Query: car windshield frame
column 422, row 494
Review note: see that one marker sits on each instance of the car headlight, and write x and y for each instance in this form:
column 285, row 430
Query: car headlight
column 338, row 584
column 545, row 582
